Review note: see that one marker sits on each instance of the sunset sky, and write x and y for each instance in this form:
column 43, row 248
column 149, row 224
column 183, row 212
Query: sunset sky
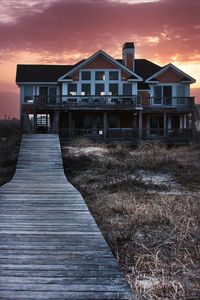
column 66, row 31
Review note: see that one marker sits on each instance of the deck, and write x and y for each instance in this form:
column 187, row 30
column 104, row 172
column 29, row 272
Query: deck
column 50, row 245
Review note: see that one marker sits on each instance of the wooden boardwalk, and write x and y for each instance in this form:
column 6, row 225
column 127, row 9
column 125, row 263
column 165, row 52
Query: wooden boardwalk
column 50, row 245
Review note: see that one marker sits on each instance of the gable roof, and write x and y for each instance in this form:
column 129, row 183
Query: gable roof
column 135, row 77
column 41, row 73
column 186, row 78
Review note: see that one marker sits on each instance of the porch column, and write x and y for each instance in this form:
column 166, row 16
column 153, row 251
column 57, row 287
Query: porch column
column 165, row 124
column 70, row 124
column 193, row 125
column 105, row 124
column 35, row 121
column 140, row 125
column 55, row 127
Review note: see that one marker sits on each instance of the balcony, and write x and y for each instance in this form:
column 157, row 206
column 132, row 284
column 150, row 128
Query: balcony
column 65, row 101
column 168, row 102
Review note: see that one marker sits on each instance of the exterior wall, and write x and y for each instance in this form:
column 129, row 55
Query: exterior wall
column 169, row 76
column 28, row 107
column 100, row 63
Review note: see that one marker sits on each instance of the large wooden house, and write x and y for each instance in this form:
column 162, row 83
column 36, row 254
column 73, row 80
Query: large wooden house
column 106, row 98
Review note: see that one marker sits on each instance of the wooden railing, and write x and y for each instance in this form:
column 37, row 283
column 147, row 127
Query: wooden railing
column 168, row 102
column 127, row 134
column 64, row 100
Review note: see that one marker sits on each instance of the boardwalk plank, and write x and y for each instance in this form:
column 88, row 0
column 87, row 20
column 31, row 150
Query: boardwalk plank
column 50, row 245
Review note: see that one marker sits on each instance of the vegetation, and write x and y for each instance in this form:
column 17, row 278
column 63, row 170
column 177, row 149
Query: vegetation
column 9, row 147
column 146, row 203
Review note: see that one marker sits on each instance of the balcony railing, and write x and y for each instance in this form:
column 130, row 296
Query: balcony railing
column 65, row 101
column 168, row 102
column 128, row 134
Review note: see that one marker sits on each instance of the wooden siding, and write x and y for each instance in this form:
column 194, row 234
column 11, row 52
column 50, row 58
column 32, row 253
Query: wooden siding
column 50, row 245
column 100, row 62
column 169, row 76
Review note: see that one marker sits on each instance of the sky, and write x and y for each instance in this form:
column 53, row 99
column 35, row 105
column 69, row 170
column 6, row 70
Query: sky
column 66, row 31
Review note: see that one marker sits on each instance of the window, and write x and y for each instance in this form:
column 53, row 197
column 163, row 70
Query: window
column 113, row 89
column 180, row 91
column 99, row 89
column 113, row 75
column 28, row 94
column 163, row 93
column 113, row 121
column 157, row 95
column 85, row 89
column 52, row 94
column 87, row 123
column 72, row 89
column 175, row 122
column 86, row 75
column 100, row 75
column 127, row 89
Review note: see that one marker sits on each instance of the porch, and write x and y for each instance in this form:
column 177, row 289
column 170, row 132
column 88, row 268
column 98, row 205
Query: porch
column 134, row 136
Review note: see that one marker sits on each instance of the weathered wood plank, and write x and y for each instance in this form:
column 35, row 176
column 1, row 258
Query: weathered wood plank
column 50, row 245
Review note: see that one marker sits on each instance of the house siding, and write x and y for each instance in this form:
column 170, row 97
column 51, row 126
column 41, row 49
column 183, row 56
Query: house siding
column 169, row 76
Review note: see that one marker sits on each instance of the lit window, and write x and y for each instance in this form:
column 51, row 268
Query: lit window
column 28, row 94
column 85, row 89
column 99, row 75
column 86, row 75
column 72, row 89
column 113, row 89
column 99, row 89
column 113, row 75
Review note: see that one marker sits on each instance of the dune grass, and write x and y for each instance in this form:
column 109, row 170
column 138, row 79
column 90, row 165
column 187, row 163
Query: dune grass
column 151, row 227
column 10, row 137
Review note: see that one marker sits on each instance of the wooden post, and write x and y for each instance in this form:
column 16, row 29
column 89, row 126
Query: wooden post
column 193, row 124
column 35, row 121
column 140, row 125
column 165, row 124
column 105, row 125
column 55, row 127
column 26, row 123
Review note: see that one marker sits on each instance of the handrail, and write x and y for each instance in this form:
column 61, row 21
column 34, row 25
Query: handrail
column 93, row 100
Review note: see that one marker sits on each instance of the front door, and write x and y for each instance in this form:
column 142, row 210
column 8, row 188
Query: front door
column 156, row 126
column 43, row 94
column 167, row 95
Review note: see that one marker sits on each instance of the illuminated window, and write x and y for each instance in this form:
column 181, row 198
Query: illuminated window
column 99, row 75
column 28, row 94
column 85, row 89
column 99, row 89
column 113, row 89
column 72, row 89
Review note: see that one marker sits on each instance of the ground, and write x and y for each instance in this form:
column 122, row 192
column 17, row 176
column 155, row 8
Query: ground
column 145, row 201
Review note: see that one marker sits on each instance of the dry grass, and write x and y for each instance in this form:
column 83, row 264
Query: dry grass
column 152, row 229
column 9, row 148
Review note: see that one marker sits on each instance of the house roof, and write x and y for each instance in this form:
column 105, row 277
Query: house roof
column 51, row 73
column 132, row 74
column 41, row 73
column 185, row 76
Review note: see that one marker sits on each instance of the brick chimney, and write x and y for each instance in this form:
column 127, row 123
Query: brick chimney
column 128, row 55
